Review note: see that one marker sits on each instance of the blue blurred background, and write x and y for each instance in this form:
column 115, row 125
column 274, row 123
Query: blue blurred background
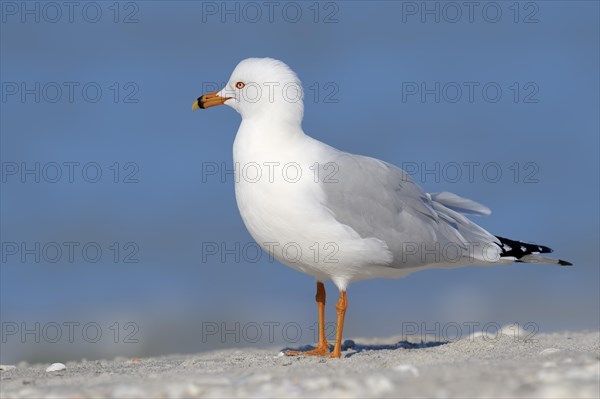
column 135, row 68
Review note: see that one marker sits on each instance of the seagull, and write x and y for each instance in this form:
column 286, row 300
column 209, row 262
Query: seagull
column 337, row 216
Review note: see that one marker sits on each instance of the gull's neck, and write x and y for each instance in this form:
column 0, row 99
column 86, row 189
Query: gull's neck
column 272, row 127
column 266, row 137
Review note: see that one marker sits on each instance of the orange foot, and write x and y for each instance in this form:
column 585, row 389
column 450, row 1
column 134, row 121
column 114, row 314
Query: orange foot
column 321, row 350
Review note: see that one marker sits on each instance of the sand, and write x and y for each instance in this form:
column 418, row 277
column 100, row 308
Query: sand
column 559, row 365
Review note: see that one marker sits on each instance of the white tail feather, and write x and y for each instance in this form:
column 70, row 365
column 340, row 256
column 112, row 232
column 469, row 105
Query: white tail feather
column 460, row 204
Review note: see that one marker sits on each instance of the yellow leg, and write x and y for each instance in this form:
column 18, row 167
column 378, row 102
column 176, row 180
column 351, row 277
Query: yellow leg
column 322, row 348
column 341, row 306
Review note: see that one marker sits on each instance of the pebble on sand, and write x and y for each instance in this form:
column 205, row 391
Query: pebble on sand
column 56, row 367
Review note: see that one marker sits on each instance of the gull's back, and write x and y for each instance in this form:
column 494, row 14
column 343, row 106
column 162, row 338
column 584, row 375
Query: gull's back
column 379, row 200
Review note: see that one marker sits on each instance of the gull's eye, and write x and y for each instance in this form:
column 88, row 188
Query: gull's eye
column 239, row 85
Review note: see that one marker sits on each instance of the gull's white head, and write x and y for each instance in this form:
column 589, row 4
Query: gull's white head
column 260, row 88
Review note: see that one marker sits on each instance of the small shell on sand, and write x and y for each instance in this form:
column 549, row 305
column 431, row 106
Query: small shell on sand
column 56, row 367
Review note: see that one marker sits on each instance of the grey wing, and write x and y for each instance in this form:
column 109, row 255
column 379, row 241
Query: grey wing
column 379, row 200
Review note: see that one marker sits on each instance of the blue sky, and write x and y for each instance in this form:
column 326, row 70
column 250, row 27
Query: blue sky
column 106, row 90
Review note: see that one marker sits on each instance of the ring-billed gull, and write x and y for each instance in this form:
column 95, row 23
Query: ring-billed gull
column 339, row 216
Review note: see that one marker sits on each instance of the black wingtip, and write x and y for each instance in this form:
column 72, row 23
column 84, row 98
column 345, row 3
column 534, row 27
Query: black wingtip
column 519, row 248
column 564, row 263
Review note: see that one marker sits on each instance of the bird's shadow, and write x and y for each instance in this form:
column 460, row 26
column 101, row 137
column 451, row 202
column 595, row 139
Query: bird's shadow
column 357, row 348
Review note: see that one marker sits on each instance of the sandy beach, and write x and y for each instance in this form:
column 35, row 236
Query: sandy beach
column 558, row 365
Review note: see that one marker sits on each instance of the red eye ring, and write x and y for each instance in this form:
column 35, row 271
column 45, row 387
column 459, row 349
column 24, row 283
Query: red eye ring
column 239, row 85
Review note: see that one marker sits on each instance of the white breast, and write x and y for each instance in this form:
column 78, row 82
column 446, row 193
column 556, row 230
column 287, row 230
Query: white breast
column 281, row 203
